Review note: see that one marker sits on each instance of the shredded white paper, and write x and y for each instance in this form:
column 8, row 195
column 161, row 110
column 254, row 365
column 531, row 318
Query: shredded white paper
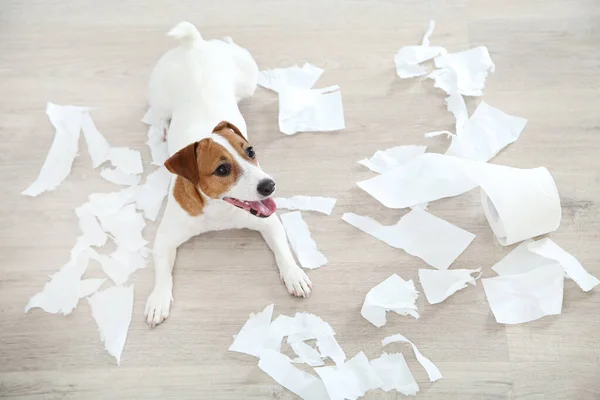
column 302, row 243
column 385, row 160
column 281, row 78
column 351, row 380
column 408, row 58
column 395, row 374
column 432, row 371
column 305, row 203
column 438, row 285
column 394, row 294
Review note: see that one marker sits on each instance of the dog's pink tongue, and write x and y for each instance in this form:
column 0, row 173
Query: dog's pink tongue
column 265, row 207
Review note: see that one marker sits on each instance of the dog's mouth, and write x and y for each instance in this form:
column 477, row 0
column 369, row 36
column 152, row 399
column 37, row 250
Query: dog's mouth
column 262, row 209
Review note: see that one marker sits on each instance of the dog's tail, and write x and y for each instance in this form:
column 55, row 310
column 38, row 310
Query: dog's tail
column 187, row 34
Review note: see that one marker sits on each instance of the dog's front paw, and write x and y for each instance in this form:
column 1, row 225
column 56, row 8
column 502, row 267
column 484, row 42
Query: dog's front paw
column 296, row 282
column 157, row 306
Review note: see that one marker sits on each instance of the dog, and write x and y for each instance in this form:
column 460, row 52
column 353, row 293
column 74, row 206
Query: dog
column 217, row 183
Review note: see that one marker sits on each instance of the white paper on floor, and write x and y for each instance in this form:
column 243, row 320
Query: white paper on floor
column 518, row 203
column 310, row 110
column 280, row 78
column 330, row 348
column 253, row 338
column 384, row 160
column 464, row 72
column 159, row 149
column 88, row 287
column 306, row 203
column 435, row 241
column 97, row 145
column 432, row 371
column 149, row 196
column 408, row 58
column 485, row 134
column 67, row 122
column 126, row 227
column 120, row 264
column 438, row 285
column 112, row 309
column 127, row 160
column 573, row 268
column 306, row 354
column 351, row 380
column 395, row 374
column 394, row 294
column 92, row 232
column 521, row 260
column 515, row 299
column 278, row 367
column 62, row 293
column 302, row 243
column 119, row 177
column 103, row 204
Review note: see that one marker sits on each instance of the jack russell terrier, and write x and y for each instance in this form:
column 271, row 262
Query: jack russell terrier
column 218, row 183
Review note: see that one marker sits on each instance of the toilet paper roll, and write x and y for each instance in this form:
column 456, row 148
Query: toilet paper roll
column 520, row 203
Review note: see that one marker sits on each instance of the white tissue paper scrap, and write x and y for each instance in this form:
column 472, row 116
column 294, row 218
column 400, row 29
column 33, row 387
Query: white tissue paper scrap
column 432, row 371
column 521, row 260
column 515, row 299
column 97, row 145
column 120, row 264
column 67, row 122
column 156, row 138
column 302, row 243
column 126, row 227
column 127, row 160
column 306, row 326
column 573, row 268
column 384, row 160
column 92, row 232
column 306, row 354
column 149, row 196
column 280, row 78
column 329, row 347
column 88, row 287
column 438, row 285
column 304, row 385
column 305, row 203
column 408, row 58
column 395, row 374
column 310, row 110
column 435, row 241
column 62, row 293
column 464, row 72
column 485, row 134
column 112, row 309
column 119, row 177
column 351, row 380
column 253, row 338
column 394, row 294
column 103, row 204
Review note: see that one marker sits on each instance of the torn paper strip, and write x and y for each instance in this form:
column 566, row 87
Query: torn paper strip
column 127, row 160
column 120, row 264
column 126, row 227
column 329, row 347
column 253, row 338
column 302, row 243
column 306, row 354
column 304, row 385
column 395, row 374
column 88, row 287
column 112, row 309
column 156, row 138
column 435, row 241
column 97, row 145
column 432, row 371
column 515, row 299
column 306, row 326
column 351, row 380
column 57, row 166
column 61, row 294
column 305, row 203
column 408, row 58
column 485, row 134
column 464, row 72
column 438, row 285
column 384, row 160
column 116, row 176
column 394, row 294
column 311, row 110
column 103, row 204
column 149, row 196
column 299, row 77
column 521, row 260
column 573, row 268
column 92, row 233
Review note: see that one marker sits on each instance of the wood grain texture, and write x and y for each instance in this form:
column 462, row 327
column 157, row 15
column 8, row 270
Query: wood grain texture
column 100, row 54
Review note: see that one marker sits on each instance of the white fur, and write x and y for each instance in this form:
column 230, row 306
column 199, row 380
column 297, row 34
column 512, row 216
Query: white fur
column 197, row 85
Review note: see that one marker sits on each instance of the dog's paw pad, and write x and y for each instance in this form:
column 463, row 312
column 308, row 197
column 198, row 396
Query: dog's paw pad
column 157, row 307
column 297, row 282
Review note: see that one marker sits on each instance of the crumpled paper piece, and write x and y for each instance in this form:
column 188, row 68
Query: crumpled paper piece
column 408, row 58
column 299, row 77
column 395, row 374
column 394, row 294
column 438, row 285
column 351, row 380
column 432, row 371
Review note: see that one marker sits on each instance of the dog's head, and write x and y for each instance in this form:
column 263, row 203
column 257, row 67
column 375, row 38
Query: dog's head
column 225, row 167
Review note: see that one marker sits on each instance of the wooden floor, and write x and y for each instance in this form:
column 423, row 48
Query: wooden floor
column 100, row 54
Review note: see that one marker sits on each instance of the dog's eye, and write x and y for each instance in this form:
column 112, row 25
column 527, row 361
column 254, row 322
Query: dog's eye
column 223, row 170
column 250, row 152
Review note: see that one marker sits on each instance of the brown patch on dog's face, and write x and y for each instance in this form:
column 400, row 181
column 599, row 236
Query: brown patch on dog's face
column 237, row 140
column 206, row 165
column 188, row 196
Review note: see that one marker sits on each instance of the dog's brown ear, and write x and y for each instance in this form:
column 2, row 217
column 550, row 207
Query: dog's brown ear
column 228, row 125
column 185, row 164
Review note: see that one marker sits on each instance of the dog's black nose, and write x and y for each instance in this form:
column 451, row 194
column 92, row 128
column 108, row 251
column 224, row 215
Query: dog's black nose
column 266, row 187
